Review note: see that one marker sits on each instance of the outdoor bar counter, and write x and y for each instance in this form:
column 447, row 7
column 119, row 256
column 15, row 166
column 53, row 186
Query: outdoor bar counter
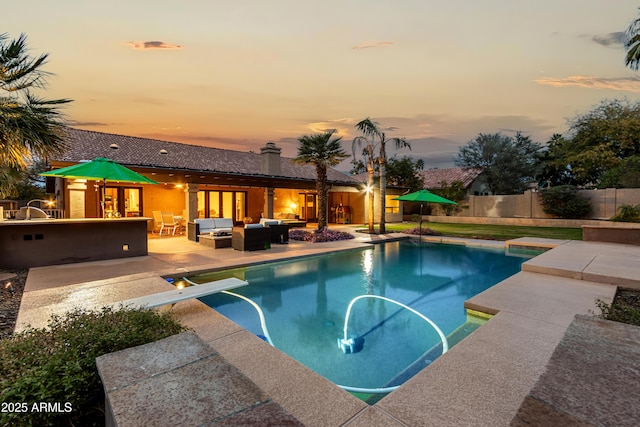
column 40, row 242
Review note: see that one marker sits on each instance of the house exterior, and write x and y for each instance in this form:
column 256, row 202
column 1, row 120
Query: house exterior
column 434, row 179
column 200, row 182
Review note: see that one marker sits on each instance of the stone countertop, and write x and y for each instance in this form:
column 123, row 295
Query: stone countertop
column 43, row 221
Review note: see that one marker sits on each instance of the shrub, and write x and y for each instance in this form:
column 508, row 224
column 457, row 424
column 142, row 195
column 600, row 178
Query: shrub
column 627, row 213
column 564, row 201
column 316, row 236
column 57, row 364
column 618, row 312
column 425, row 231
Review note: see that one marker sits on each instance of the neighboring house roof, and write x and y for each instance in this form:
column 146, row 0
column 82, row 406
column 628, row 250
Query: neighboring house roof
column 433, row 178
column 152, row 153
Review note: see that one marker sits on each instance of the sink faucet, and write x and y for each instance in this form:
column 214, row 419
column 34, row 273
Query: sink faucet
column 48, row 202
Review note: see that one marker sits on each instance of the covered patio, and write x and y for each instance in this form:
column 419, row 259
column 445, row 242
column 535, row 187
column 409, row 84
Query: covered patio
column 201, row 182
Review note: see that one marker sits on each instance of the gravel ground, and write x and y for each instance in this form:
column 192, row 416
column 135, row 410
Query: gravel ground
column 11, row 287
column 628, row 297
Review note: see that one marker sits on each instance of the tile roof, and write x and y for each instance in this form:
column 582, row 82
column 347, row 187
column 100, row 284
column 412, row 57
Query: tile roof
column 143, row 152
column 433, row 178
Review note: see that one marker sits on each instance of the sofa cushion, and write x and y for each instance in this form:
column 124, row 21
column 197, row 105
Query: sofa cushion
column 268, row 221
column 205, row 225
column 253, row 226
column 215, row 226
column 223, row 226
column 224, row 222
column 283, row 215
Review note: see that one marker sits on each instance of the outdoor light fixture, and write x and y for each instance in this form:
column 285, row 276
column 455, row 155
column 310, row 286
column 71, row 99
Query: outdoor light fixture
column 163, row 151
column 114, row 146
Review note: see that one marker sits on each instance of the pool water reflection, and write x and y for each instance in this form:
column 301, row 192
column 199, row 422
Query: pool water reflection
column 305, row 301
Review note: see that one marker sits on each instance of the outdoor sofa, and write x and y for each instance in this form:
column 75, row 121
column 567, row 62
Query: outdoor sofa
column 251, row 237
column 278, row 229
column 216, row 227
column 290, row 219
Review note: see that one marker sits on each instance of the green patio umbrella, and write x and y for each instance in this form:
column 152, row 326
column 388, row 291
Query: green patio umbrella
column 423, row 196
column 100, row 169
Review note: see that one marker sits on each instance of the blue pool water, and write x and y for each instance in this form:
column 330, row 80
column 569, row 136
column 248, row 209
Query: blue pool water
column 305, row 302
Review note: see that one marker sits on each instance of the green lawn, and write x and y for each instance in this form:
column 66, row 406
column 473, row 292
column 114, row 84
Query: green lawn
column 489, row 231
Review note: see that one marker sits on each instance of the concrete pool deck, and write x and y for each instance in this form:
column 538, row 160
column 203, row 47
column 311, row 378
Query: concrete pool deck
column 483, row 380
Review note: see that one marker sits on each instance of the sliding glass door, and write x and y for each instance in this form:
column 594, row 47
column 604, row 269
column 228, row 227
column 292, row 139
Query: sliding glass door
column 222, row 204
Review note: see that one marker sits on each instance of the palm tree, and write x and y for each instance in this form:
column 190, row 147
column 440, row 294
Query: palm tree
column 30, row 127
column 632, row 45
column 323, row 152
column 372, row 138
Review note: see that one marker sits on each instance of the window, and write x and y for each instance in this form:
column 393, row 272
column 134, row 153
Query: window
column 122, row 202
column 392, row 206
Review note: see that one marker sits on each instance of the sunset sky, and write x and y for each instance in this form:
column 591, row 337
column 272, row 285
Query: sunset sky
column 238, row 74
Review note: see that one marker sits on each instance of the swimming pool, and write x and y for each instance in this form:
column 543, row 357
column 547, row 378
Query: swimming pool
column 380, row 344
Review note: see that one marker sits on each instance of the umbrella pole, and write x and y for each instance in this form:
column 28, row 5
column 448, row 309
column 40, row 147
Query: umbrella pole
column 104, row 195
column 420, row 232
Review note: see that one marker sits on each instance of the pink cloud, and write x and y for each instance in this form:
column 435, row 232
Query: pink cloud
column 153, row 45
column 369, row 45
column 630, row 84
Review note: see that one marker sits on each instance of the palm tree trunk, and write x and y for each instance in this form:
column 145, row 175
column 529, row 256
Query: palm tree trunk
column 321, row 188
column 383, row 187
column 370, row 173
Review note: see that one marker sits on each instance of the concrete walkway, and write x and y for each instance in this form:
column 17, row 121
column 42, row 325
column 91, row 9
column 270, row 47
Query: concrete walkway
column 483, row 380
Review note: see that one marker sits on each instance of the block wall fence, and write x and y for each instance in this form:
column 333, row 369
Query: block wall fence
column 525, row 209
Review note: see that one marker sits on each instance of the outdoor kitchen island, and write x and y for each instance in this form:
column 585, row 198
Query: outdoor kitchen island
column 40, row 242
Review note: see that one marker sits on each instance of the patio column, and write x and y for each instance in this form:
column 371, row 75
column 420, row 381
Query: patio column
column 268, row 203
column 191, row 202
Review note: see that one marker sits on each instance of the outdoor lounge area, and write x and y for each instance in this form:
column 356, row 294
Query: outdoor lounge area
column 220, row 233
column 486, row 378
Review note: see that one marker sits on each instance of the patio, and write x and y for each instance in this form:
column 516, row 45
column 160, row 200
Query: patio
column 482, row 381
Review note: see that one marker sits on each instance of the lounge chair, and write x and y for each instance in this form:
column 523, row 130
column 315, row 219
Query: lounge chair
column 169, row 223
column 157, row 222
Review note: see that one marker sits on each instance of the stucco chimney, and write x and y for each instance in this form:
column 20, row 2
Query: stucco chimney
column 270, row 159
